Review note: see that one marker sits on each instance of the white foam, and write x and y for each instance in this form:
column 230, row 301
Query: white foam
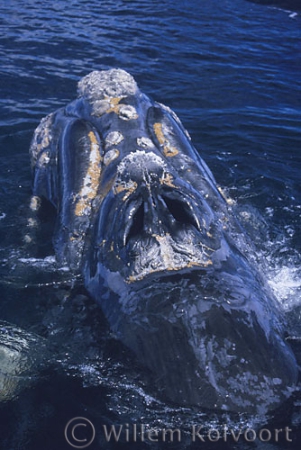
column 48, row 262
column 292, row 14
column 38, row 261
column 286, row 285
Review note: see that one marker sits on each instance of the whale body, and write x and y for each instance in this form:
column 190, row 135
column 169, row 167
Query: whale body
column 140, row 216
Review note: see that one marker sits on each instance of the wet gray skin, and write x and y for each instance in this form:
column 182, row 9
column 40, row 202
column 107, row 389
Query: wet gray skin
column 140, row 216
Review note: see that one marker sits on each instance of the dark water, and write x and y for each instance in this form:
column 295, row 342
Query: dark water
column 232, row 72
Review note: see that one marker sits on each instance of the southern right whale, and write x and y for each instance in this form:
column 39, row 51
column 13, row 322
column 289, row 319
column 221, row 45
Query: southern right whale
column 139, row 215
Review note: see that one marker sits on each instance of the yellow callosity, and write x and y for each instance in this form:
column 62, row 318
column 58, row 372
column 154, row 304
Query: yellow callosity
column 91, row 179
column 168, row 149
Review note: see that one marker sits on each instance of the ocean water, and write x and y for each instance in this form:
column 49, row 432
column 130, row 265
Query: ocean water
column 231, row 70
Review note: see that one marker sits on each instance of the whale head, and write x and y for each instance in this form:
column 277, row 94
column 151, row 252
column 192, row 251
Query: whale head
column 158, row 207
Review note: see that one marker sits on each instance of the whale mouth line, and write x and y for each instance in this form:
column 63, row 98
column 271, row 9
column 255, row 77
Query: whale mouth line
column 162, row 253
column 165, row 271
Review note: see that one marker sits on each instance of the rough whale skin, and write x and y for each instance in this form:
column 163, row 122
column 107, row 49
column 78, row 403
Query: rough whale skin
column 139, row 215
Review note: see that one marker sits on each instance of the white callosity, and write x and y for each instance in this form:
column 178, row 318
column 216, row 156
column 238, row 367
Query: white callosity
column 128, row 112
column 104, row 89
column 110, row 156
column 99, row 85
column 113, row 138
column 141, row 162
column 145, row 142
column 42, row 140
